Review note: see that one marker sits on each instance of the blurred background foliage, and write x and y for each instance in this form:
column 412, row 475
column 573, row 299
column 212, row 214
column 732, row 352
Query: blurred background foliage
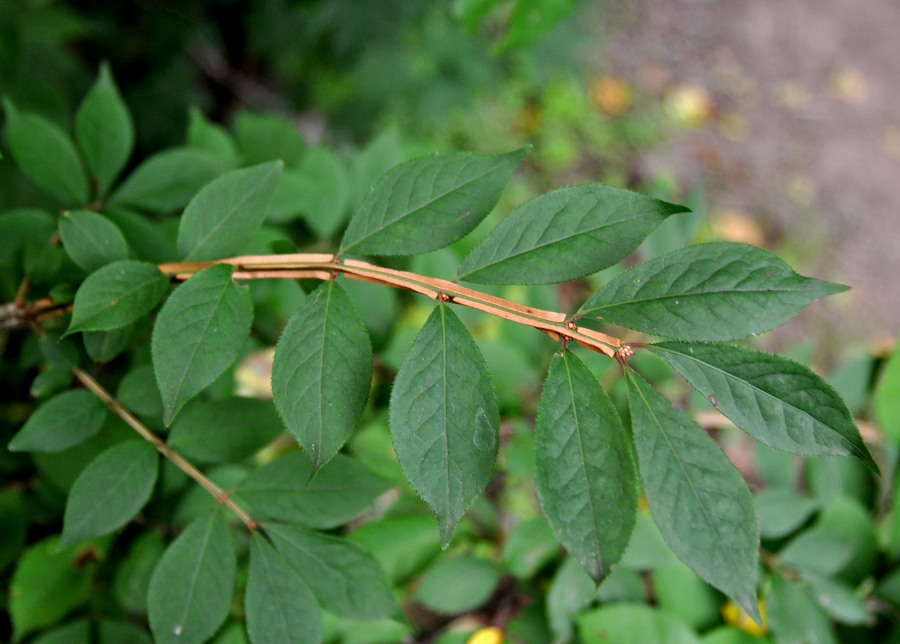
column 342, row 91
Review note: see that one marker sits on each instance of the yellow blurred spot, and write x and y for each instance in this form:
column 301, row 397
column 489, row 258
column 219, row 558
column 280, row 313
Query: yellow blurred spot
column 612, row 95
column 734, row 225
column 689, row 105
column 528, row 119
column 801, row 189
column 643, row 505
column 849, row 85
column 253, row 376
column 792, row 95
column 487, row 635
column 735, row 616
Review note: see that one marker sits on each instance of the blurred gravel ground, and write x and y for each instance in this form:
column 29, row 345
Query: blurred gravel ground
column 801, row 135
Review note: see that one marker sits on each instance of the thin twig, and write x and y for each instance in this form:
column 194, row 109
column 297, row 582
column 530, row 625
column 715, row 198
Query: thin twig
column 324, row 266
column 183, row 464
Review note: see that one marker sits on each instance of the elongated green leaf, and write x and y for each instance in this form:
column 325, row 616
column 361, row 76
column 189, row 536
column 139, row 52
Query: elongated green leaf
column 429, row 202
column 698, row 499
column 322, row 372
column 325, row 190
column 281, row 608
column 210, row 137
column 199, row 332
column 61, row 422
column 585, row 467
column 565, row 234
column 345, row 579
column 49, row 583
column 117, row 295
column 167, row 180
column 223, row 216
column 630, row 623
column 104, row 130
column 192, row 587
column 150, row 240
column 225, row 430
column 777, row 401
column 887, row 398
column 91, row 240
column 46, row 155
column 714, row 291
column 110, row 491
column 794, row 615
column 445, row 419
column 282, row 491
column 454, row 585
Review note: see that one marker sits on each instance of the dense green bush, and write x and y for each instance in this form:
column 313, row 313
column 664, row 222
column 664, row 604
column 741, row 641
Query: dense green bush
column 104, row 539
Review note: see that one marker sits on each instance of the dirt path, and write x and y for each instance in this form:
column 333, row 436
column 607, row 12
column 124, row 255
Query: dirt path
column 805, row 136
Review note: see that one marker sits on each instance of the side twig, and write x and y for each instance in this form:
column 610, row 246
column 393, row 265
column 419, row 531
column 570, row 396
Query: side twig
column 183, row 464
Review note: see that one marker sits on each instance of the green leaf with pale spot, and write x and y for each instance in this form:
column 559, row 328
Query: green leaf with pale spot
column 60, row 423
column 91, row 240
column 698, row 499
column 117, row 295
column 585, row 467
column 104, row 130
column 346, row 580
column 429, row 202
column 778, row 401
column 46, row 155
column 199, row 332
column 222, row 217
column 565, row 234
column 280, row 607
column 714, row 291
column 193, row 585
column 322, row 372
column 445, row 419
column 110, row 491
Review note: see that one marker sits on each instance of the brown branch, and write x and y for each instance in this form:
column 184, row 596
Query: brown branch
column 324, row 267
column 183, row 464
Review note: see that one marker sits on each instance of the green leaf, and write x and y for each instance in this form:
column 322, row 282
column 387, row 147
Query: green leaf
column 698, row 499
column 840, row 601
column 192, row 587
column 280, row 606
column 565, row 234
column 777, row 401
column 210, row 137
column 887, row 397
column 585, row 467
column 282, row 490
column 403, row 545
column 49, row 582
column 133, row 574
column 571, row 590
column 457, row 585
column 91, row 240
column 531, row 20
column 223, row 216
column 529, row 547
column 104, row 130
column 225, row 430
column 429, row 202
column 46, row 155
column 139, row 394
column 150, row 240
column 322, row 372
column 625, row 623
column 794, row 616
column 264, row 137
column 110, row 491
column 199, row 332
column 714, row 291
column 166, row 181
column 345, row 579
column 781, row 511
column 63, row 421
column 444, row 418
column 117, row 295
column 325, row 191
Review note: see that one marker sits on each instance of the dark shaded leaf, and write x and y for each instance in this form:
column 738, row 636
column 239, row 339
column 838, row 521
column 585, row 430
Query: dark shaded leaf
column 63, row 421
